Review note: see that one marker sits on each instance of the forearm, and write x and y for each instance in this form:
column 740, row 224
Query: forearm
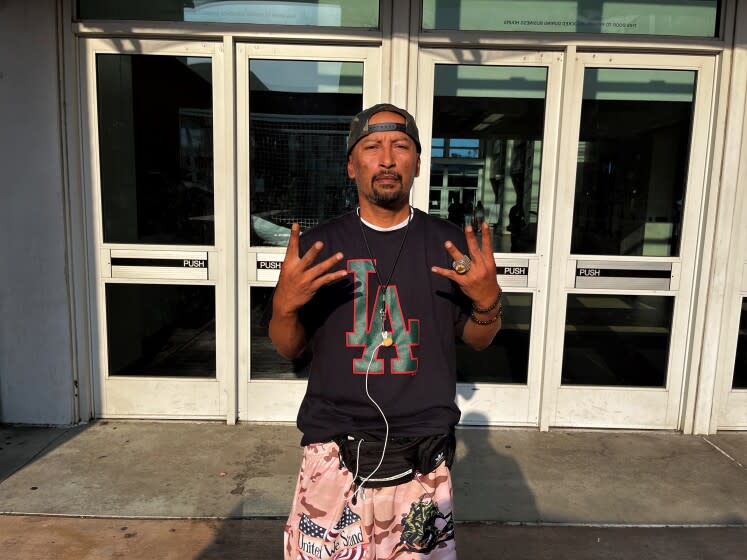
column 479, row 337
column 485, row 321
column 287, row 334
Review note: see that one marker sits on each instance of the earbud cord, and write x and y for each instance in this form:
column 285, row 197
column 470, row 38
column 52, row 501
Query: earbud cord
column 383, row 286
column 386, row 434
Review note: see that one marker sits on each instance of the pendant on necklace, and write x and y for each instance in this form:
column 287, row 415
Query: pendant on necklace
column 387, row 340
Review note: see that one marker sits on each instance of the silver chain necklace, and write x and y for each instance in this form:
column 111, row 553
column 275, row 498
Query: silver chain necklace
column 385, row 335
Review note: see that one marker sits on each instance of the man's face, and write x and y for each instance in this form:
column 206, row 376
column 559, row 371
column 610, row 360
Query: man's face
column 385, row 164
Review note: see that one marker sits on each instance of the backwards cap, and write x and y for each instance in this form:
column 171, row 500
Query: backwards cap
column 359, row 127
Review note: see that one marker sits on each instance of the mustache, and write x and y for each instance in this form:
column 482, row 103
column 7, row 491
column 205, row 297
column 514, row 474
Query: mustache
column 392, row 174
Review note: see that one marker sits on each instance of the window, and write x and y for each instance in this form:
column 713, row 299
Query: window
column 322, row 13
column 691, row 18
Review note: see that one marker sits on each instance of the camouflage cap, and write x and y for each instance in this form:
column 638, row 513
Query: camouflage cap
column 359, row 127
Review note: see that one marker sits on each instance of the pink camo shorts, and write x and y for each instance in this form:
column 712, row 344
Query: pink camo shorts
column 409, row 521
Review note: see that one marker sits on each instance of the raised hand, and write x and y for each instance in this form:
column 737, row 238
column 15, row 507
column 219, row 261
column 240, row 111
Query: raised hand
column 479, row 283
column 300, row 278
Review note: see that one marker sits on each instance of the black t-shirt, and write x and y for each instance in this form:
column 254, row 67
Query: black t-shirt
column 414, row 379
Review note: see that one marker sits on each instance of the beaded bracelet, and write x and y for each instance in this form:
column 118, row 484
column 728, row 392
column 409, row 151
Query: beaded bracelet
column 499, row 315
column 486, row 309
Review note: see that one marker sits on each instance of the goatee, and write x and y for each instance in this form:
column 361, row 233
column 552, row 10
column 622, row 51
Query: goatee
column 389, row 199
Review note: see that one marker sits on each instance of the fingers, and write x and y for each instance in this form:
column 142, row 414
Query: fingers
column 455, row 253
column 311, row 254
column 293, row 241
column 472, row 247
column 480, row 279
column 487, row 249
column 292, row 252
column 302, row 269
column 325, row 265
column 487, row 241
column 325, row 279
column 447, row 273
column 304, row 274
column 300, row 278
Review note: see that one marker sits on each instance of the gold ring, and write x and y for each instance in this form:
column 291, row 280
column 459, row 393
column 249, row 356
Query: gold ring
column 462, row 266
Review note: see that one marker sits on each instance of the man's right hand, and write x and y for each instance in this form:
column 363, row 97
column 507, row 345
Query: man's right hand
column 300, row 278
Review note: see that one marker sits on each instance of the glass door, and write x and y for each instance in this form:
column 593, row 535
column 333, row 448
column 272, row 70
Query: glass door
column 153, row 148
column 731, row 374
column 632, row 181
column 733, row 413
column 488, row 123
column 294, row 106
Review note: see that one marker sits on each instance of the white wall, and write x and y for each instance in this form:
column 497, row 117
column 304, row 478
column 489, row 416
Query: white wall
column 35, row 335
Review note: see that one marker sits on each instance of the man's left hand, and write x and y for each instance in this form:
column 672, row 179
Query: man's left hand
column 479, row 283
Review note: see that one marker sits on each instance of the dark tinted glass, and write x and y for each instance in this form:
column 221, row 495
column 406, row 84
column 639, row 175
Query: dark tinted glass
column 160, row 330
column 156, row 148
column 486, row 151
column 617, row 340
column 506, row 360
column 740, row 364
column 300, row 113
column 266, row 363
column 632, row 162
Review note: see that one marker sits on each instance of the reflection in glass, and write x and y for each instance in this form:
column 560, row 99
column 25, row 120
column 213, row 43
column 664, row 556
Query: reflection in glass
column 506, row 360
column 335, row 13
column 694, row 18
column 266, row 363
column 632, row 161
column 160, row 330
column 299, row 116
column 740, row 364
column 486, row 152
column 156, row 148
column 617, row 340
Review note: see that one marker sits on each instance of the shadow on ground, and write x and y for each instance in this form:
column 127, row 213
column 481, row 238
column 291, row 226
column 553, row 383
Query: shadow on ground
column 263, row 538
column 21, row 446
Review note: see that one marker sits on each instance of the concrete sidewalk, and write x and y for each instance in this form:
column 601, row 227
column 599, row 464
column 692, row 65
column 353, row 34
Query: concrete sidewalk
column 179, row 470
column 64, row 538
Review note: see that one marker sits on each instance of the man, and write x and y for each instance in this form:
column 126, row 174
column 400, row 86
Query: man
column 378, row 295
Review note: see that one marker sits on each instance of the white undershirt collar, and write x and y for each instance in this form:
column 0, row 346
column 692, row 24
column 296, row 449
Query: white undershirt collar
column 379, row 228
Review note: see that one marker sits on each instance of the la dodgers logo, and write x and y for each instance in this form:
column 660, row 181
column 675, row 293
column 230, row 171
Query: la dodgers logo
column 367, row 326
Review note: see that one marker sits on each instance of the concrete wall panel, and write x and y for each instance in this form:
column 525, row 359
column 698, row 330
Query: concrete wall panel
column 35, row 335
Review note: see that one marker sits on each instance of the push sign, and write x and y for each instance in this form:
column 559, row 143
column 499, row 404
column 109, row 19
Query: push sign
column 513, row 272
column 174, row 265
column 268, row 266
column 628, row 275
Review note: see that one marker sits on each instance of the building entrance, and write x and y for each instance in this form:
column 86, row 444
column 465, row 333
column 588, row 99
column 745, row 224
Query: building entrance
column 590, row 170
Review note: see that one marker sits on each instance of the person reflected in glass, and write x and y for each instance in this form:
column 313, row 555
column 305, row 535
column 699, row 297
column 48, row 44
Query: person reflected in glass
column 378, row 295
column 516, row 224
column 479, row 215
column 469, row 215
column 456, row 212
column 516, row 216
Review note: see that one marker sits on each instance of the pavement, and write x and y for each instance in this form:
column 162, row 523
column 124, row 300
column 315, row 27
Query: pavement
column 133, row 489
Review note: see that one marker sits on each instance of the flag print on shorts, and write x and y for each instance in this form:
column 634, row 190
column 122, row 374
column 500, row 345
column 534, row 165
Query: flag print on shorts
column 344, row 541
